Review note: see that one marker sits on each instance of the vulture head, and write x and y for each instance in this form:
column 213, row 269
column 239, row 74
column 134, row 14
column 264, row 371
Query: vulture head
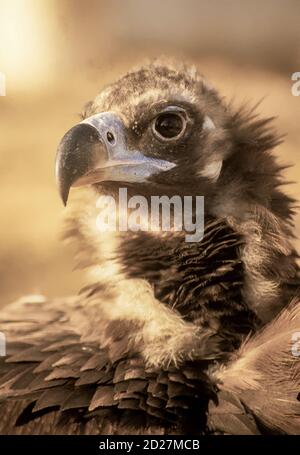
column 162, row 129
column 158, row 129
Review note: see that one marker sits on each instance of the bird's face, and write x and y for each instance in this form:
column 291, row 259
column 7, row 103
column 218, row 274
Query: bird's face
column 157, row 130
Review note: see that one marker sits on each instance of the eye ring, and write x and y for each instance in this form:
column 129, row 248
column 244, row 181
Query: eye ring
column 169, row 125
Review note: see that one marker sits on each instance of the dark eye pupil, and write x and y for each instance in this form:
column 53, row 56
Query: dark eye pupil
column 169, row 125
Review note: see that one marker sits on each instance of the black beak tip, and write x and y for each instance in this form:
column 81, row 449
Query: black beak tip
column 76, row 155
column 64, row 198
column 64, row 190
column 63, row 185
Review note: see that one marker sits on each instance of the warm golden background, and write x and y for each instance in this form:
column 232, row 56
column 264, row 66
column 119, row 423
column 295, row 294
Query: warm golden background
column 56, row 55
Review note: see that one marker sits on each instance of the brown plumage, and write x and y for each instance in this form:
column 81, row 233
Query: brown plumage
column 262, row 381
column 162, row 339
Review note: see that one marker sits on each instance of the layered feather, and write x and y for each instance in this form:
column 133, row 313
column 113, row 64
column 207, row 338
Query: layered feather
column 264, row 379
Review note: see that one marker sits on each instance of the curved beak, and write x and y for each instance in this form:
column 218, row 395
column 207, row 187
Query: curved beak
column 79, row 151
column 95, row 150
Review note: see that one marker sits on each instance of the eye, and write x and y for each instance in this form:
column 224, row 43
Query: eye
column 169, row 125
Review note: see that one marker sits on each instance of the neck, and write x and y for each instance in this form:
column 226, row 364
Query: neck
column 191, row 289
column 203, row 281
column 174, row 291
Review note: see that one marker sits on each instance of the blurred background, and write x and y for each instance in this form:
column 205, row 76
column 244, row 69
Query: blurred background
column 57, row 54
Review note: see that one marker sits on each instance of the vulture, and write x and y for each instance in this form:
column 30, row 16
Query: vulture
column 168, row 336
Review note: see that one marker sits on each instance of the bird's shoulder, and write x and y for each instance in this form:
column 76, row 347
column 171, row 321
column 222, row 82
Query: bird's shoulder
column 51, row 381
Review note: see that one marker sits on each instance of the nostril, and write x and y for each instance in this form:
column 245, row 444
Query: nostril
column 110, row 137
